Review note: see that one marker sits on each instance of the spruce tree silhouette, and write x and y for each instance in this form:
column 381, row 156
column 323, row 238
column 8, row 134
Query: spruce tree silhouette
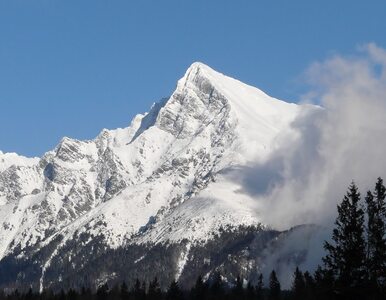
column 174, row 292
column 250, row 292
column 274, row 287
column 259, row 288
column 154, row 291
column 346, row 257
column 298, row 285
column 217, row 287
column 72, row 294
column 376, row 239
column 124, row 291
column 237, row 291
column 102, row 292
column 309, row 286
column 199, row 290
column 324, row 283
column 139, row 290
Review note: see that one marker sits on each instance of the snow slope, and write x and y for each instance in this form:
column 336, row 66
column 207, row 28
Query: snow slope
column 164, row 178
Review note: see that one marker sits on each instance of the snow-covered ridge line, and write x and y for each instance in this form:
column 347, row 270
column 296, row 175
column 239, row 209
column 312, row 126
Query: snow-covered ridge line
column 9, row 159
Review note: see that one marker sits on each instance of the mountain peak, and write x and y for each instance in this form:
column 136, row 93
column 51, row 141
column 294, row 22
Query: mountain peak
column 198, row 65
column 206, row 79
column 198, row 73
column 204, row 96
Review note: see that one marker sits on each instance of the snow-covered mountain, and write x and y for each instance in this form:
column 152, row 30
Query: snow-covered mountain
column 166, row 179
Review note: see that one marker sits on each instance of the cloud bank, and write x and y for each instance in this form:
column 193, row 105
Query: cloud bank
column 345, row 140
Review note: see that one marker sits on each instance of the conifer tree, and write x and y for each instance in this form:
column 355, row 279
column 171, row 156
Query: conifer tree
column 238, row 291
column 346, row 255
column 298, row 285
column 29, row 295
column 217, row 287
column 174, row 292
column 376, row 235
column 250, row 292
column 124, row 291
column 274, row 287
column 200, row 290
column 102, row 292
column 154, row 291
column 138, row 291
column 46, row 294
column 260, row 287
column 114, row 293
column 72, row 294
column 324, row 283
column 309, row 286
column 62, row 295
column 86, row 294
column 143, row 289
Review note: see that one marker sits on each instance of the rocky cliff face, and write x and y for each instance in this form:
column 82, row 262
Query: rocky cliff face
column 164, row 180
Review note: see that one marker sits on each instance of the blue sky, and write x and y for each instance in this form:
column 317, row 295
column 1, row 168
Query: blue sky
column 71, row 68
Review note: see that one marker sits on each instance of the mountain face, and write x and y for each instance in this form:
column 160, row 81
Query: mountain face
column 155, row 198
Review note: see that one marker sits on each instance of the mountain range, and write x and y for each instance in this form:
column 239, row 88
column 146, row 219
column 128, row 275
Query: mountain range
column 161, row 197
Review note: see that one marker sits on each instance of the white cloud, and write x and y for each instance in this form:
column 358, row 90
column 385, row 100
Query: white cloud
column 345, row 141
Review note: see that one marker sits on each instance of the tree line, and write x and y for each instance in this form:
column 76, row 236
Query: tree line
column 354, row 267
